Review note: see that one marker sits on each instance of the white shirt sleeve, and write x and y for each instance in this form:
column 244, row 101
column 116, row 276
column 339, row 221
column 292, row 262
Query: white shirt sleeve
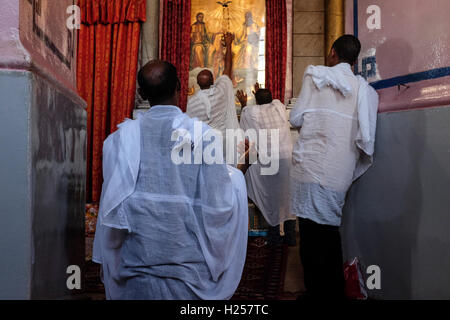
column 296, row 117
column 224, row 83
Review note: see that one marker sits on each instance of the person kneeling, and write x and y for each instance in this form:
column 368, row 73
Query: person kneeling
column 167, row 230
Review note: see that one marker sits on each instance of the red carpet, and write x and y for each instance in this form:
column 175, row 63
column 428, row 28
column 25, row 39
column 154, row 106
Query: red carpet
column 264, row 271
column 262, row 278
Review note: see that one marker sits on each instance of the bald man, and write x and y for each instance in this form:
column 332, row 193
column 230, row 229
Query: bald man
column 168, row 230
column 214, row 103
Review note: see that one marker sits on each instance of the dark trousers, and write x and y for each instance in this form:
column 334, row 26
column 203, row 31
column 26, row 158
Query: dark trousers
column 321, row 257
column 274, row 237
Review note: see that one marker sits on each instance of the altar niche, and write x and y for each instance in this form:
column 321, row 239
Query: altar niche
column 246, row 20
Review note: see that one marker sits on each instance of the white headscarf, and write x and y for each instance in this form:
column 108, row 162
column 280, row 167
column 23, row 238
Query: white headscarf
column 367, row 119
column 367, row 107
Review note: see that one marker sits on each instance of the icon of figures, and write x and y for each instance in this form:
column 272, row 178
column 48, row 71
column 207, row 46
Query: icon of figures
column 199, row 42
column 247, row 39
column 216, row 55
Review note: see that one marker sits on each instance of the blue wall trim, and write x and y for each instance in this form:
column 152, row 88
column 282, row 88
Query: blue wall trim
column 413, row 77
column 395, row 81
column 355, row 18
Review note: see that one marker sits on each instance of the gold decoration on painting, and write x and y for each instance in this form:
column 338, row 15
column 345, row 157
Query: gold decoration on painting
column 243, row 18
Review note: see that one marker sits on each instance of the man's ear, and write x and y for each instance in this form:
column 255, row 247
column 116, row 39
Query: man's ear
column 334, row 53
column 332, row 59
column 143, row 94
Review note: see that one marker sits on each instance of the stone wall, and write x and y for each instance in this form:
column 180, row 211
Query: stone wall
column 43, row 137
column 308, row 38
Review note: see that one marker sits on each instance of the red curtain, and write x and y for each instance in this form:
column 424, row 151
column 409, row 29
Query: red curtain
column 108, row 51
column 175, row 40
column 276, row 47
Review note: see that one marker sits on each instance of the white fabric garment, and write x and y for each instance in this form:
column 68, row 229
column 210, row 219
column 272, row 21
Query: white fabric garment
column 337, row 114
column 215, row 106
column 270, row 193
column 168, row 231
column 203, row 98
column 367, row 120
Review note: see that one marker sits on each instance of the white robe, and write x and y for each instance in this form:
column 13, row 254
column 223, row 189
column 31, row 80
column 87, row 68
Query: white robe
column 168, row 231
column 337, row 114
column 216, row 107
column 270, row 193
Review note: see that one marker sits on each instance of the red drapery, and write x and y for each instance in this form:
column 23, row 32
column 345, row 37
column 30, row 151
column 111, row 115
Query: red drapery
column 108, row 51
column 276, row 47
column 175, row 40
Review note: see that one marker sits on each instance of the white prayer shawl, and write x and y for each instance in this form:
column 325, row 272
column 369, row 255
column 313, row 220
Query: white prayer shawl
column 337, row 113
column 270, row 193
column 367, row 120
column 215, row 106
column 168, row 231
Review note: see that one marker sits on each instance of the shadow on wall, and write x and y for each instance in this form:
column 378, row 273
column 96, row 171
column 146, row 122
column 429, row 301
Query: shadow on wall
column 394, row 58
column 396, row 215
column 382, row 212
column 394, row 55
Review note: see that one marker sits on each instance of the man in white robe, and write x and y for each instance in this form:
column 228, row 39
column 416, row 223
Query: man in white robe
column 167, row 230
column 270, row 193
column 336, row 113
column 214, row 103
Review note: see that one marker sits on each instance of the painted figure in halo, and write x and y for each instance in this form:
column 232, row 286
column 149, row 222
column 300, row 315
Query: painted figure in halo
column 216, row 55
column 200, row 41
column 247, row 39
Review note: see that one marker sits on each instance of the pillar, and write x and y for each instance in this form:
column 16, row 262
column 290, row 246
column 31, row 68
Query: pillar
column 150, row 33
column 308, row 38
column 149, row 44
column 43, row 143
column 334, row 22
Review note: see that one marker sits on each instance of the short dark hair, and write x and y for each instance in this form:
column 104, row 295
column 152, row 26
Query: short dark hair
column 263, row 96
column 347, row 48
column 161, row 85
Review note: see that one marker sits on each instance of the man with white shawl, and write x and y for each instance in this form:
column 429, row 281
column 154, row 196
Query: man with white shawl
column 270, row 192
column 167, row 230
column 214, row 103
column 336, row 113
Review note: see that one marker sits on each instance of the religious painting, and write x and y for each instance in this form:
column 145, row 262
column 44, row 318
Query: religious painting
column 245, row 19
